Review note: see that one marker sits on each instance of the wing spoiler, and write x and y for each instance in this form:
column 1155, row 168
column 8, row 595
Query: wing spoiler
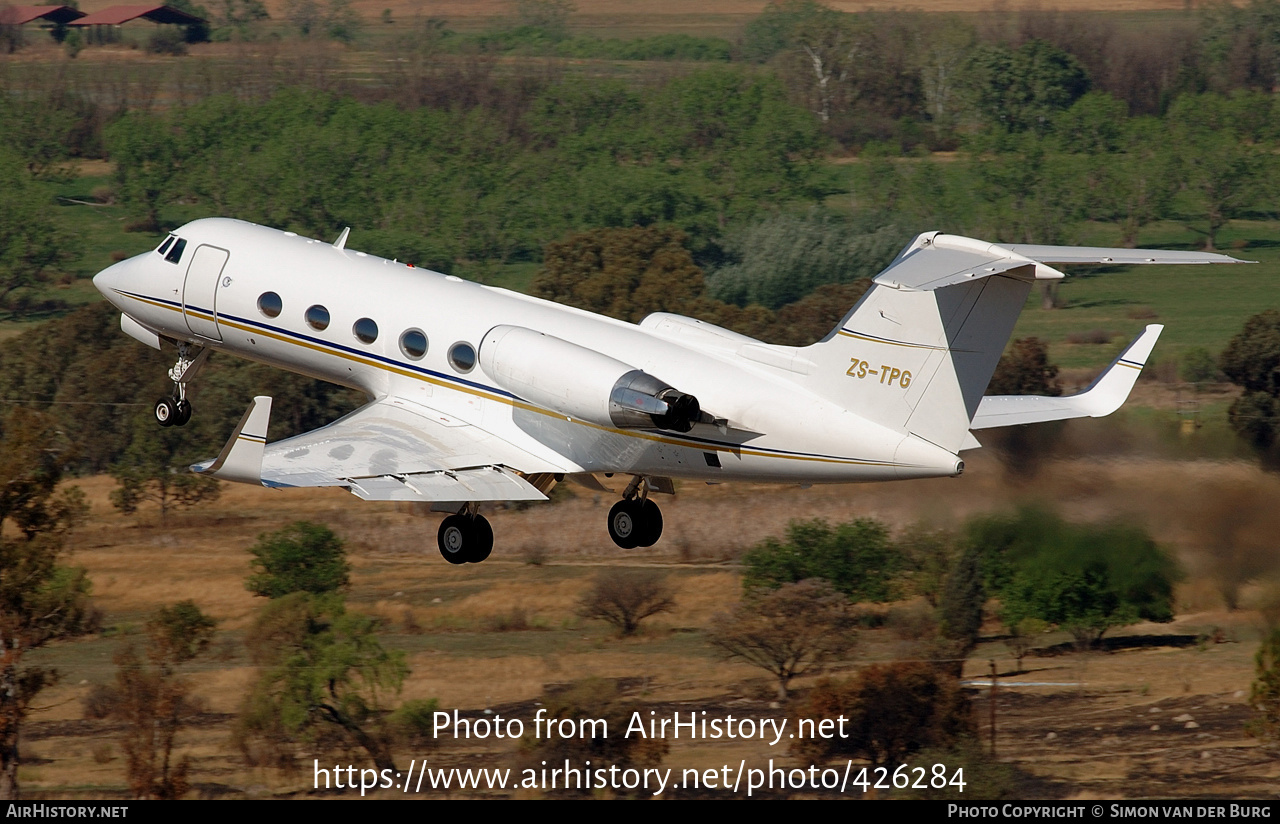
column 1104, row 396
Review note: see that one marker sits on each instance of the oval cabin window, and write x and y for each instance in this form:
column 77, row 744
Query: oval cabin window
column 462, row 356
column 270, row 304
column 318, row 318
column 365, row 330
column 414, row 344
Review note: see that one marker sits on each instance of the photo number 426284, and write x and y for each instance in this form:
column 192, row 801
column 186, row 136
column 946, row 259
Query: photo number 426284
column 916, row 778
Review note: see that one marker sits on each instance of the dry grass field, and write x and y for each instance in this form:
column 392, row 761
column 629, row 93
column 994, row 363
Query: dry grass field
column 1159, row 713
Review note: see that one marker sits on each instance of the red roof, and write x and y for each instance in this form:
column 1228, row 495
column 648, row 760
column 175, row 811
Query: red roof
column 118, row 15
column 18, row 15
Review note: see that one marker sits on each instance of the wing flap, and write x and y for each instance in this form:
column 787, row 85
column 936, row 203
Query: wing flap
column 390, row 437
column 487, row 483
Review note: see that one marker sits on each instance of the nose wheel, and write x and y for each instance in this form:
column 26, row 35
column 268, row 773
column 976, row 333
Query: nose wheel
column 172, row 411
column 176, row 410
column 465, row 539
column 634, row 523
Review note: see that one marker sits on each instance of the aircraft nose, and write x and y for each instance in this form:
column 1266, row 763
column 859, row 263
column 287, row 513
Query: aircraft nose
column 114, row 278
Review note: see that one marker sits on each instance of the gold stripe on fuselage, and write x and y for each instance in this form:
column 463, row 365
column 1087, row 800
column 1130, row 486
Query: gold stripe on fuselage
column 327, row 350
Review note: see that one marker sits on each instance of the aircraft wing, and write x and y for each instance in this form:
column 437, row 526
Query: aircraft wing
column 1104, row 396
column 388, row 450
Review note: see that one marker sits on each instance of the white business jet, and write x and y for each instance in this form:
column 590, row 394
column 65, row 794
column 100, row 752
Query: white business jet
column 482, row 394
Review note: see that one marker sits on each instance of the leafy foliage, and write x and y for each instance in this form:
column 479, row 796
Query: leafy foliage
column 155, row 468
column 1025, row 370
column 325, row 682
column 1264, row 695
column 857, row 559
column 1084, row 578
column 41, row 600
column 301, row 557
column 1251, row 361
column 1021, row 89
column 782, row 258
column 154, row 702
column 31, row 239
column 793, row 630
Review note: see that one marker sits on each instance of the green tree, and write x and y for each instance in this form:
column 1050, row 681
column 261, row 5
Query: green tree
column 1084, row 578
column 782, row 258
column 623, row 273
column 857, row 558
column 41, row 600
column 31, row 240
column 302, row 557
column 1251, row 361
column 153, row 468
column 325, row 683
column 1264, row 695
column 1223, row 168
column 154, row 702
column 961, row 605
column 1022, row 89
column 1025, row 370
column 793, row 630
column 147, row 160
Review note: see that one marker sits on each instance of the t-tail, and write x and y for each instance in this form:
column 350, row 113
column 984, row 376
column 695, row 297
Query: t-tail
column 917, row 352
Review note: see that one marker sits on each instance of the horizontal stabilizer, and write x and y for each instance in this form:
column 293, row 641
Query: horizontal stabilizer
column 1104, row 396
column 241, row 459
column 934, row 260
column 1056, row 255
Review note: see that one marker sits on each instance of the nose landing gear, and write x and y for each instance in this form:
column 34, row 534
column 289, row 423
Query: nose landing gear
column 635, row 521
column 176, row 410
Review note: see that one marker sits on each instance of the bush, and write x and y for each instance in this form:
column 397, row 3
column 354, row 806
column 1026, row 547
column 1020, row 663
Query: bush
column 302, row 557
column 790, row 631
column 893, row 710
column 167, row 40
column 857, row 558
column 625, row 597
column 1264, row 696
column 1085, row 578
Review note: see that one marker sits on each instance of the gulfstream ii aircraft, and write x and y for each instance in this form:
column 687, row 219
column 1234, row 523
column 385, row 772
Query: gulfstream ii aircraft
column 481, row 394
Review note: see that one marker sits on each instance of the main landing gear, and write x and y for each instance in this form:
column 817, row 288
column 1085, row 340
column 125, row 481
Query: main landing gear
column 176, row 410
column 635, row 520
column 465, row 538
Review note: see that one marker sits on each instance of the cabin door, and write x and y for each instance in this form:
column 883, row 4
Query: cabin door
column 200, row 292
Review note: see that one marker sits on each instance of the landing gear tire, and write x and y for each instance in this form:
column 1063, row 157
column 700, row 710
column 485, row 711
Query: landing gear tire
column 650, row 524
column 465, row 539
column 482, row 537
column 182, row 411
column 166, row 412
column 625, row 524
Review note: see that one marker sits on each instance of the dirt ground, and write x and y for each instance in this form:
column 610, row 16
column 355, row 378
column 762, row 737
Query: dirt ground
column 1158, row 713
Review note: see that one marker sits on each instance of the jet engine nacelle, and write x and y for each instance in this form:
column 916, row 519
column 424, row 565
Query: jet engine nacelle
column 583, row 383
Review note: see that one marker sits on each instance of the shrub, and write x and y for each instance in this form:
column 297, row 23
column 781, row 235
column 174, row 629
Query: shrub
column 302, row 557
column 892, row 711
column 857, row 558
column 625, row 597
